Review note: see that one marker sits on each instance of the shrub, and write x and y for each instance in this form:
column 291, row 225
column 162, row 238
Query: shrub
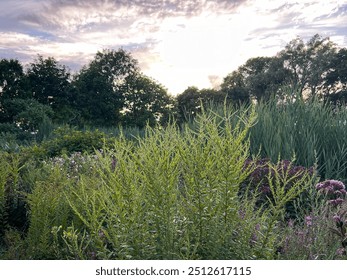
column 68, row 141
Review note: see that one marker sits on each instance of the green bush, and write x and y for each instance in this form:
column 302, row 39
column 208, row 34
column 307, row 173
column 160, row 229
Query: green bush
column 68, row 141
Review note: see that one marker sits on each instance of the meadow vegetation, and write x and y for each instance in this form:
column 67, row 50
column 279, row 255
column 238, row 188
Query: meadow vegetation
column 251, row 182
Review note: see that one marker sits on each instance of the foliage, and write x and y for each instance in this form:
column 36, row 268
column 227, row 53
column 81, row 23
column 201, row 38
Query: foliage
column 265, row 174
column 150, row 200
column 192, row 100
column 309, row 63
column 315, row 68
column 313, row 132
column 335, row 84
column 100, row 87
column 67, row 141
column 49, row 84
column 25, row 117
column 145, row 102
column 258, row 78
column 321, row 231
column 12, row 204
column 11, row 80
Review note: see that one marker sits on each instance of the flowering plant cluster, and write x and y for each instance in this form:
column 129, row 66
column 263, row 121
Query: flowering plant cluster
column 340, row 230
column 75, row 164
column 335, row 191
column 264, row 172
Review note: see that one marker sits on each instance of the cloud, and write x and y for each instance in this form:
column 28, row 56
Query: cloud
column 178, row 42
column 113, row 23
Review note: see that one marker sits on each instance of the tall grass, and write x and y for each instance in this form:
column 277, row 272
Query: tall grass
column 313, row 132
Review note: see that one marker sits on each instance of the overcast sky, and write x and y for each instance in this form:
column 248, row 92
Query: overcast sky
column 178, row 43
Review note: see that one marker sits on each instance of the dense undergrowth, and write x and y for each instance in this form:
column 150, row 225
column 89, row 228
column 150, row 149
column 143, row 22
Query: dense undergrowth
column 233, row 184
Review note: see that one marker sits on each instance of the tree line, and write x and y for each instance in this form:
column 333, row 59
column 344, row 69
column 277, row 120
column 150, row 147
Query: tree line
column 111, row 90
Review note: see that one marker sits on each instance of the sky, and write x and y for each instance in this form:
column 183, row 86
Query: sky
column 177, row 43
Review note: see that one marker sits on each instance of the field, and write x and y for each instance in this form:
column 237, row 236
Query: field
column 258, row 182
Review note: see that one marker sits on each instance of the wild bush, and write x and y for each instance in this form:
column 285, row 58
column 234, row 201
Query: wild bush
column 67, row 141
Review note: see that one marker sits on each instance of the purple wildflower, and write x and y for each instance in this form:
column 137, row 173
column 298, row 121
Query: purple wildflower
column 308, row 221
column 336, row 202
column 291, row 223
column 334, row 190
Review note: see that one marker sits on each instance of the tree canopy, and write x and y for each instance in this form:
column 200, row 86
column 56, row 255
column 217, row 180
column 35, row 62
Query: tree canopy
column 111, row 90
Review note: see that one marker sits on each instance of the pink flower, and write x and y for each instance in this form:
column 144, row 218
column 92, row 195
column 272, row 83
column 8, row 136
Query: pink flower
column 336, row 202
column 308, row 221
column 337, row 218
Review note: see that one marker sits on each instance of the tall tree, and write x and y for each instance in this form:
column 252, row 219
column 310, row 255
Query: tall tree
column 235, row 88
column 258, row 78
column 335, row 83
column 49, row 84
column 12, row 85
column 145, row 102
column 100, row 87
column 191, row 101
column 11, row 78
column 308, row 63
column 188, row 104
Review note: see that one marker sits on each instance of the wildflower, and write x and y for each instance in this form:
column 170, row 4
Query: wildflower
column 336, row 202
column 291, row 223
column 337, row 184
column 334, row 190
column 308, row 221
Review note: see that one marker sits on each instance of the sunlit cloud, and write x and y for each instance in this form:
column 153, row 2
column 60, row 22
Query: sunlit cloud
column 180, row 43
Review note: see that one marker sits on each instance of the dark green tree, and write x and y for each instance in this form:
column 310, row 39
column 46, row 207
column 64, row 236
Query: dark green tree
column 308, row 64
column 188, row 104
column 145, row 102
column 50, row 84
column 258, row 78
column 12, row 85
column 235, row 88
column 11, row 79
column 335, row 82
column 211, row 96
column 24, row 117
column 100, row 87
